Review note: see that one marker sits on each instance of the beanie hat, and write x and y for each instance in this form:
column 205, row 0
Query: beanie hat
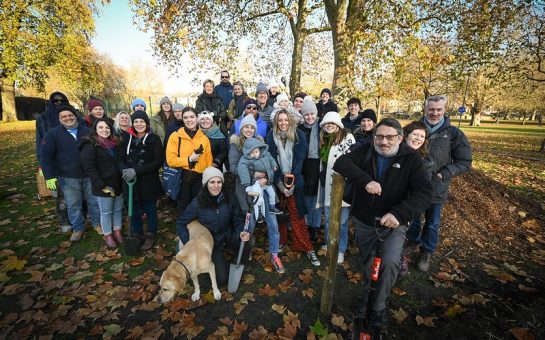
column 353, row 101
column 67, row 107
column 165, row 100
column 250, row 101
column 248, row 120
column 205, row 114
column 301, row 95
column 261, row 88
column 282, row 96
column 94, row 103
column 369, row 113
column 332, row 117
column 177, row 106
column 326, row 90
column 309, row 106
column 138, row 101
column 209, row 173
column 140, row 115
column 273, row 83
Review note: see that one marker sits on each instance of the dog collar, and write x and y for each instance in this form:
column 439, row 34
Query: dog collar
column 183, row 265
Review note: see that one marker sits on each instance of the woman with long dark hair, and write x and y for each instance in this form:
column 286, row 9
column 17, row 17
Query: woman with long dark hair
column 98, row 156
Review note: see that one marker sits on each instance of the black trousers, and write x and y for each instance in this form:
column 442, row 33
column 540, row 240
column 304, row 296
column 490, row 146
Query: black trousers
column 189, row 189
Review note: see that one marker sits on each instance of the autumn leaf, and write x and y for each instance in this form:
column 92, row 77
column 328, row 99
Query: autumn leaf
column 97, row 330
column 4, row 277
column 292, row 318
column 226, row 321
column 308, row 292
column 319, row 329
column 526, row 289
column 259, row 333
column 112, row 329
column 248, row 279
column 12, row 263
column 454, row 310
column 306, row 277
column 137, row 261
column 239, row 307
column 399, row 315
column 497, row 273
column 398, row 291
column 522, row 333
column 426, row 320
column 267, row 291
column 338, row 320
column 286, row 285
column 278, row 308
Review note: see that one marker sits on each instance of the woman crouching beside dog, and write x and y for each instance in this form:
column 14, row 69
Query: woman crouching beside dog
column 219, row 211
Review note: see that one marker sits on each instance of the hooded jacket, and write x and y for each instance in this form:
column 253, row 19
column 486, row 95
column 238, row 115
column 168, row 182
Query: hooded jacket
column 187, row 146
column 101, row 167
column 46, row 121
column 406, row 188
column 225, row 92
column 248, row 165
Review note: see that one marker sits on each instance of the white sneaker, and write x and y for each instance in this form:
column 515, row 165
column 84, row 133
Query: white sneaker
column 313, row 258
column 65, row 229
column 340, row 259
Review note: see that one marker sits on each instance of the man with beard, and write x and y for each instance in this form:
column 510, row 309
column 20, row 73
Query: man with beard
column 224, row 89
column 390, row 187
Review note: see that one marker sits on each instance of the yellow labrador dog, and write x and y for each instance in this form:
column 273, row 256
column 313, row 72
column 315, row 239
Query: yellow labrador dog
column 194, row 258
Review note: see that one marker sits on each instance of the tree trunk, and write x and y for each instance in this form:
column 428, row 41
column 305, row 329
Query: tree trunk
column 296, row 61
column 9, row 111
column 476, row 113
column 343, row 54
column 542, row 149
column 379, row 107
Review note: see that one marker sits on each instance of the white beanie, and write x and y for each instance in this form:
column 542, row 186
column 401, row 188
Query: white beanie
column 205, row 114
column 309, row 106
column 282, row 96
column 332, row 117
column 209, row 173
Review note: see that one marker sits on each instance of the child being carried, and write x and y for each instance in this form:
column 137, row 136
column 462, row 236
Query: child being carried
column 256, row 164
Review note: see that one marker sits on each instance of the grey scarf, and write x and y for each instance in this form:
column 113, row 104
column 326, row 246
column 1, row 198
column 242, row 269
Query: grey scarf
column 313, row 147
column 285, row 153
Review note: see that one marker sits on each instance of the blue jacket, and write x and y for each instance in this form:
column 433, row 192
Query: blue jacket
column 262, row 127
column 222, row 221
column 300, row 150
column 225, row 92
column 60, row 153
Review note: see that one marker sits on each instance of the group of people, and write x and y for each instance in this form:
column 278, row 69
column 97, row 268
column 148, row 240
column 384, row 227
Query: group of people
column 271, row 157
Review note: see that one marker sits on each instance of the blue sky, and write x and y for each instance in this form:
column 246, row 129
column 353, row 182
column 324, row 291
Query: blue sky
column 118, row 37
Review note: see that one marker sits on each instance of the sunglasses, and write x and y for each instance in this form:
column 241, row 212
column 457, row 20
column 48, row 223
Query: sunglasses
column 251, row 107
column 224, row 77
column 59, row 101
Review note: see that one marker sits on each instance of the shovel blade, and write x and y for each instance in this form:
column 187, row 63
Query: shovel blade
column 235, row 274
column 132, row 246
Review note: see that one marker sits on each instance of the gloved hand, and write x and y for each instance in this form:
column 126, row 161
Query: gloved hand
column 199, row 150
column 194, row 157
column 128, row 174
column 109, row 190
column 51, row 184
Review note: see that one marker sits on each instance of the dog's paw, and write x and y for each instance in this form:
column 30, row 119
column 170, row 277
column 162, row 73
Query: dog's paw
column 217, row 295
column 196, row 296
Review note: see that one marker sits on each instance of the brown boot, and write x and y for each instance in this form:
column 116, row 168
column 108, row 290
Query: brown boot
column 148, row 242
column 118, row 236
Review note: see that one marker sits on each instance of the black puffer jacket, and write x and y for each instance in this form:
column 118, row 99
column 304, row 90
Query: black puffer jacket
column 146, row 156
column 406, row 188
column 101, row 166
column 325, row 108
column 212, row 102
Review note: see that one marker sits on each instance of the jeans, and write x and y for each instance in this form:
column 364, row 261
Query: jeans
column 343, row 233
column 111, row 213
column 150, row 208
column 75, row 189
column 314, row 215
column 430, row 232
column 272, row 227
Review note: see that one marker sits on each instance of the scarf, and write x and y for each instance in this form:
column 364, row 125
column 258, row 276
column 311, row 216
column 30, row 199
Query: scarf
column 313, row 147
column 324, row 150
column 213, row 132
column 108, row 144
column 191, row 134
column 435, row 127
column 285, row 152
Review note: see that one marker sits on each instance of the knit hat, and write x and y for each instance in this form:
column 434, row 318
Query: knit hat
column 273, row 83
column 309, row 106
column 177, row 106
column 248, row 120
column 165, row 100
column 140, row 115
column 326, row 90
column 261, row 88
column 282, row 96
column 94, row 103
column 332, row 117
column 250, row 101
column 369, row 113
column 67, row 107
column 205, row 114
column 209, row 173
column 138, row 101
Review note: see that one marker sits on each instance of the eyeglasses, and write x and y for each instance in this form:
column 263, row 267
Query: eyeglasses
column 389, row 138
column 59, row 101
column 251, row 107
